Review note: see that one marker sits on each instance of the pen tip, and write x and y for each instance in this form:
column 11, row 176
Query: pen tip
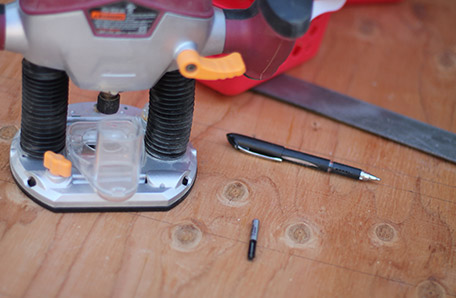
column 230, row 138
column 367, row 177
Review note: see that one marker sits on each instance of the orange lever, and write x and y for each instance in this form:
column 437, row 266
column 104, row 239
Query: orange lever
column 193, row 66
column 57, row 164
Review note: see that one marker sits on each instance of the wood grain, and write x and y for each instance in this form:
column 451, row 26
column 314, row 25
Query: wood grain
column 320, row 235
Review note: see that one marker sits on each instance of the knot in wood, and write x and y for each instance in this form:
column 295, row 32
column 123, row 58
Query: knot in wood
column 235, row 191
column 8, row 132
column 385, row 232
column 447, row 60
column 187, row 234
column 430, row 289
column 299, row 233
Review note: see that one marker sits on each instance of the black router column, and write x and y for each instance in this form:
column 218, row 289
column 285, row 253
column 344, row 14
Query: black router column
column 44, row 109
column 170, row 116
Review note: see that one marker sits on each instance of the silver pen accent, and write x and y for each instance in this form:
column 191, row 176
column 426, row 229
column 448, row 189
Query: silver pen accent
column 245, row 150
column 366, row 176
column 299, row 161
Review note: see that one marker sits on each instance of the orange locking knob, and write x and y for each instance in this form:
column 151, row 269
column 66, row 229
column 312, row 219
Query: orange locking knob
column 57, row 164
column 193, row 66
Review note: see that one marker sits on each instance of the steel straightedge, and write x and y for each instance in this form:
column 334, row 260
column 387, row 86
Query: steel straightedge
column 362, row 115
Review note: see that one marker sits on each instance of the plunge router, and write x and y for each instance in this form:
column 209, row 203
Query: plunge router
column 105, row 156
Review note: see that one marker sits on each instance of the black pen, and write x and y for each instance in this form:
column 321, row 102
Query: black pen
column 279, row 153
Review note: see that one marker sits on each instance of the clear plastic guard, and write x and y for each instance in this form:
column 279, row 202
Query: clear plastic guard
column 108, row 153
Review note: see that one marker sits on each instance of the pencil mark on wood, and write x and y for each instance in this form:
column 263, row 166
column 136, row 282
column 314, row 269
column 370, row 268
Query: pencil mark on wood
column 235, row 194
column 185, row 237
column 418, row 191
column 430, row 289
column 439, row 255
column 291, row 129
column 273, row 192
column 8, row 132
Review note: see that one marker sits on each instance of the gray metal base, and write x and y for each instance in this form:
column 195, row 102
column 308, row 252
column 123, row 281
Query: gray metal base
column 162, row 184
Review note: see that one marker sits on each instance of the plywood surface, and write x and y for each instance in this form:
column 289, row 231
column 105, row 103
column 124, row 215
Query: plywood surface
column 320, row 235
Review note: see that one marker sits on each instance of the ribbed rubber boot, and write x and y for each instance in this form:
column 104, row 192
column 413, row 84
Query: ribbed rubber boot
column 44, row 109
column 170, row 116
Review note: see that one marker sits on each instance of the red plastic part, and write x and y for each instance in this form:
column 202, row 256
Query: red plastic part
column 369, row 1
column 305, row 48
column 232, row 4
column 262, row 49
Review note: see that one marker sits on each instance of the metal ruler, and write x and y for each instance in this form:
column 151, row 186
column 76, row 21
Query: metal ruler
column 362, row 115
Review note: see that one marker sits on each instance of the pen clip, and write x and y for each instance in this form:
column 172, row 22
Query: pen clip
column 245, row 150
